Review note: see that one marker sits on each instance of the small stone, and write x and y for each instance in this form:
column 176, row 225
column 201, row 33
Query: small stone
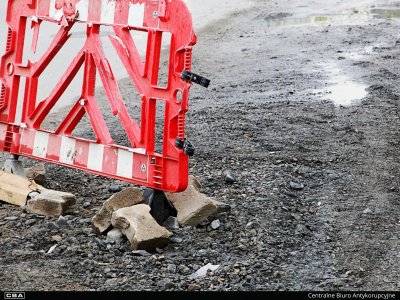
column 193, row 287
column 56, row 238
column 242, row 247
column 215, row 224
column 171, row 223
column 114, row 189
column 140, row 253
column 171, row 268
column 176, row 240
column 367, row 211
column 229, row 177
column 62, row 221
column 166, row 283
column 296, row 217
column 115, row 235
column 85, row 221
column 13, row 218
column 30, row 222
column 86, row 204
column 296, row 186
column 52, row 226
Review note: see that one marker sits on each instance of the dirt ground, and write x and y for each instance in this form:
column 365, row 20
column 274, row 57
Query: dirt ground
column 316, row 205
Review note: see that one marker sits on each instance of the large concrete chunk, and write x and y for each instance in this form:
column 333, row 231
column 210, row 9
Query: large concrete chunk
column 128, row 197
column 193, row 207
column 140, row 228
column 51, row 203
column 15, row 189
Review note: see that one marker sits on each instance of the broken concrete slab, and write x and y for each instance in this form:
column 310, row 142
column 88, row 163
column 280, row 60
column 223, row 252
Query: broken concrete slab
column 51, row 203
column 140, row 228
column 15, row 189
column 126, row 198
column 36, row 173
column 193, row 207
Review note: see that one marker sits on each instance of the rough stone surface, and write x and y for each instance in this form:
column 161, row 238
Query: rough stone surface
column 221, row 207
column 215, row 224
column 15, row 189
column 51, row 203
column 36, row 173
column 128, row 197
column 115, row 235
column 193, row 207
column 140, row 228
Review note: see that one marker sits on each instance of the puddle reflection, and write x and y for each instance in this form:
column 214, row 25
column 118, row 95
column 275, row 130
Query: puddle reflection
column 342, row 89
column 339, row 17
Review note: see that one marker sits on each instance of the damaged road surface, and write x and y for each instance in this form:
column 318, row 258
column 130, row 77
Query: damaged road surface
column 304, row 117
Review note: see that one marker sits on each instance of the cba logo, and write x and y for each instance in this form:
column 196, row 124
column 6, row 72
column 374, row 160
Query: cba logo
column 14, row 295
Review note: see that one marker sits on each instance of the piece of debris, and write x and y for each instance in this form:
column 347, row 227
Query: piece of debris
column 296, row 186
column 115, row 235
column 193, row 207
column 12, row 218
column 367, row 211
column 36, row 173
column 126, row 198
column 229, row 177
column 51, row 203
column 140, row 228
column 171, row 223
column 141, row 253
column 52, row 249
column 203, row 270
column 193, row 287
column 86, row 204
column 56, row 238
column 215, row 224
column 62, row 221
column 15, row 189
column 114, row 188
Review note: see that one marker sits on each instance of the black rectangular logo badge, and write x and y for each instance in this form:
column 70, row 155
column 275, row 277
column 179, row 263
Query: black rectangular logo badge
column 14, row 295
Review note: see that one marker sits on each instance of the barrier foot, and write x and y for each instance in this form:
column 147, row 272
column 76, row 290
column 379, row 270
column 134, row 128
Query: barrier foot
column 161, row 207
column 14, row 165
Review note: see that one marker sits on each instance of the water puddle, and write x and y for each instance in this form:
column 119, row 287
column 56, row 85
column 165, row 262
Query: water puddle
column 339, row 17
column 341, row 89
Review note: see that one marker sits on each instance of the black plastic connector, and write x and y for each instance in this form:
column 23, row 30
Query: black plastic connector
column 189, row 76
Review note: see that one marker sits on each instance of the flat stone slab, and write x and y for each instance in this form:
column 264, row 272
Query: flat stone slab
column 15, row 189
column 140, row 228
column 51, row 203
column 193, row 207
column 126, row 198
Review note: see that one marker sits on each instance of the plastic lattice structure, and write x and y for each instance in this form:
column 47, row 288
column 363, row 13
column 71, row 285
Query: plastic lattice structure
column 139, row 163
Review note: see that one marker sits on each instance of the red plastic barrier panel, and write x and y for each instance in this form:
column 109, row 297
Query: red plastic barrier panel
column 23, row 134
